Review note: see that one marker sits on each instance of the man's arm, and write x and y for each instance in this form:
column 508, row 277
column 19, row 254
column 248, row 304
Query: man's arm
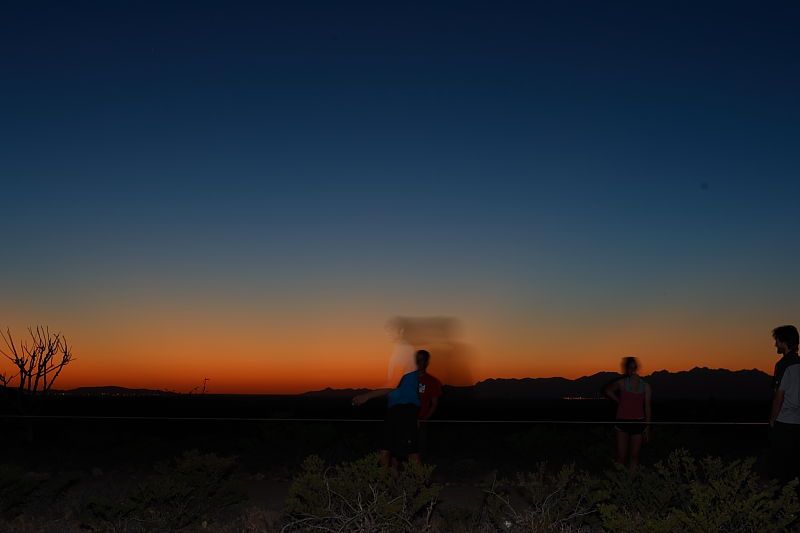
column 777, row 402
column 648, row 409
column 361, row 399
column 775, row 382
column 434, row 404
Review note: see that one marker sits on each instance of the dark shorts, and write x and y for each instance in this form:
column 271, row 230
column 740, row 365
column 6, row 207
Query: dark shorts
column 400, row 432
column 424, row 430
column 636, row 428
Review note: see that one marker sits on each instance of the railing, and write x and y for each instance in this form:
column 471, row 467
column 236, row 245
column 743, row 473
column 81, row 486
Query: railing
column 376, row 420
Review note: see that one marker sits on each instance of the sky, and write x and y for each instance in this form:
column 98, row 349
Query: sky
column 248, row 191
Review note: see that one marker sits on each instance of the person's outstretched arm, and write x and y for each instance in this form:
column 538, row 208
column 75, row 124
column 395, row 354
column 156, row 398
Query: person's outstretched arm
column 611, row 391
column 361, row 399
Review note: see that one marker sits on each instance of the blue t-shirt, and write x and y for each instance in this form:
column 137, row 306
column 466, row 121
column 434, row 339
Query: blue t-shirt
column 407, row 391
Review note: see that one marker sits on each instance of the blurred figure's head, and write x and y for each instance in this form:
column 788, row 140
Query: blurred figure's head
column 423, row 330
column 397, row 329
column 423, row 357
column 786, row 339
column 630, row 366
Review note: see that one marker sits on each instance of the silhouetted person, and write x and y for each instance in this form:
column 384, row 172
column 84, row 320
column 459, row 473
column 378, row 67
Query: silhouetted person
column 400, row 428
column 786, row 346
column 430, row 389
column 784, row 419
column 632, row 396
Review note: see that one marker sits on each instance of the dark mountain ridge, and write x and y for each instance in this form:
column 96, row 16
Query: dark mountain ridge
column 115, row 390
column 699, row 382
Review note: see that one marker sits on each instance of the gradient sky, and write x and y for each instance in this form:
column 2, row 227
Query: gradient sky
column 247, row 191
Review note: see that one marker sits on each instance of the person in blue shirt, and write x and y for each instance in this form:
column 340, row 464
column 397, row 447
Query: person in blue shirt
column 401, row 429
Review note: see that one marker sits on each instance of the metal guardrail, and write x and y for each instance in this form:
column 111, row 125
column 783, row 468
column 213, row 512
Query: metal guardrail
column 375, row 420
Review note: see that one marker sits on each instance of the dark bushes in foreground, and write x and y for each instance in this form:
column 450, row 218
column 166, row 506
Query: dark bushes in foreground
column 680, row 494
column 360, row 496
column 686, row 494
column 190, row 490
column 199, row 492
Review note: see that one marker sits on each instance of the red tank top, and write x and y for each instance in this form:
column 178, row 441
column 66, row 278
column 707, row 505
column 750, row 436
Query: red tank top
column 631, row 402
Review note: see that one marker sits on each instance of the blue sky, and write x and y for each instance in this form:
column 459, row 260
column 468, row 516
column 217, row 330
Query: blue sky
column 588, row 159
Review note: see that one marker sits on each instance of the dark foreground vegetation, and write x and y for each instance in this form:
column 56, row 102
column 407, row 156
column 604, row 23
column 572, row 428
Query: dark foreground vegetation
column 129, row 476
column 198, row 491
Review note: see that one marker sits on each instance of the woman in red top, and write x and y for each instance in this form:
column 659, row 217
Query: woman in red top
column 632, row 395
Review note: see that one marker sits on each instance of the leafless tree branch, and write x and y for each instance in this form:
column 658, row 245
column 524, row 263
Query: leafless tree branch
column 39, row 360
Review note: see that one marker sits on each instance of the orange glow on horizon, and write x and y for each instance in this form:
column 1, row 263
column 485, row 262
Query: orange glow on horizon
column 313, row 370
column 240, row 354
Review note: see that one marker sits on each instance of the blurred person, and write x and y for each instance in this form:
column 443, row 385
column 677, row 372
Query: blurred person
column 401, row 426
column 402, row 359
column 439, row 335
column 632, row 396
column 430, row 389
column 784, row 418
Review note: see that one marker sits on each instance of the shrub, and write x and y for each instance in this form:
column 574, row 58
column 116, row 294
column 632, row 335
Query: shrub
column 16, row 488
column 684, row 494
column 679, row 494
column 30, row 493
column 646, row 499
column 192, row 488
column 360, row 496
column 542, row 501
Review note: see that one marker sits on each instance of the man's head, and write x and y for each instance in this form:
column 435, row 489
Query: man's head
column 423, row 358
column 630, row 366
column 786, row 339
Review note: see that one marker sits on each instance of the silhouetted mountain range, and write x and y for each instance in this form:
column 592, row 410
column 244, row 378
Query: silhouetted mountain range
column 114, row 390
column 694, row 383
column 698, row 382
column 335, row 393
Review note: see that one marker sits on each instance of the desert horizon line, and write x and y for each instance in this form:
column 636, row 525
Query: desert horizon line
column 357, row 387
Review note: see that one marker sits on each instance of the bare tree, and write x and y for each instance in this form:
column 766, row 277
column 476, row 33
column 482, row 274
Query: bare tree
column 38, row 360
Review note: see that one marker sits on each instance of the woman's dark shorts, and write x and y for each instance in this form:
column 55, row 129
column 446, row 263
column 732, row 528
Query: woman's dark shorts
column 636, row 428
column 400, row 431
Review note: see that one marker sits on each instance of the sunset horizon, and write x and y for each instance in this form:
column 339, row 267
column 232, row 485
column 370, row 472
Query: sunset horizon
column 249, row 195
column 370, row 374
column 196, row 387
column 399, row 266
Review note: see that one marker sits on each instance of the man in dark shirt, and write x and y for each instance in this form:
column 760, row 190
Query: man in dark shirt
column 430, row 389
column 784, row 437
column 401, row 426
column 786, row 341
